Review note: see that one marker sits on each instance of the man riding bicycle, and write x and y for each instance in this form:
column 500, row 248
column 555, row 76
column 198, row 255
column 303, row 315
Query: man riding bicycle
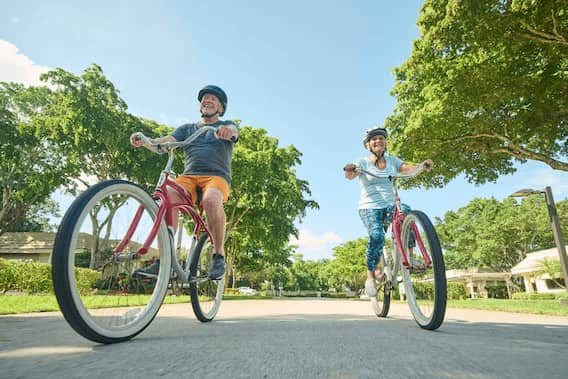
column 207, row 166
column 376, row 199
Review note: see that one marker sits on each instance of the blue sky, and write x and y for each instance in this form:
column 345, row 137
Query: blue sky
column 315, row 74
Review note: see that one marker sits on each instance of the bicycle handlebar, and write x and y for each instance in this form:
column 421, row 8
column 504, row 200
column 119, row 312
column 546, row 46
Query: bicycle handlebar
column 417, row 170
column 167, row 147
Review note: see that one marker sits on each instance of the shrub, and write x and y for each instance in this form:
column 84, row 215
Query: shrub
column 35, row 277
column 10, row 274
column 456, row 291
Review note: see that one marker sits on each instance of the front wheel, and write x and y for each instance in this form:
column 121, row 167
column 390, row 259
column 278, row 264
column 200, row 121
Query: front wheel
column 381, row 302
column 96, row 288
column 424, row 282
column 206, row 294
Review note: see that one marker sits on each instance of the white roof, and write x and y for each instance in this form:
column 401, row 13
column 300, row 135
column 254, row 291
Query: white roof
column 533, row 261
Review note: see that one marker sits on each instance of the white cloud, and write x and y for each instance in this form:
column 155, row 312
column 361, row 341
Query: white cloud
column 16, row 67
column 315, row 246
column 556, row 180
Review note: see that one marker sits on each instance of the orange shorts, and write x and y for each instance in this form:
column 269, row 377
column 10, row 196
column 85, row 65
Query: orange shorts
column 191, row 183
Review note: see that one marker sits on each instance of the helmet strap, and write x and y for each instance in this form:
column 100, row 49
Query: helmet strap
column 378, row 156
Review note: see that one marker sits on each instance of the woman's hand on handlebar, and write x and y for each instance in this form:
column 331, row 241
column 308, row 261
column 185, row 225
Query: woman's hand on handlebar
column 350, row 167
column 136, row 139
column 350, row 170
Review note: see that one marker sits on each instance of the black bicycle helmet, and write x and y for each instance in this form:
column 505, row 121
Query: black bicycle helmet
column 218, row 92
column 376, row 131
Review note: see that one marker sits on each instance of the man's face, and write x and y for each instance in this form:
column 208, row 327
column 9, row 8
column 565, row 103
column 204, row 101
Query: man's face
column 210, row 105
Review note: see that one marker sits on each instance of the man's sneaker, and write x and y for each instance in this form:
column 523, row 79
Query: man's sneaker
column 218, row 267
column 371, row 288
column 149, row 271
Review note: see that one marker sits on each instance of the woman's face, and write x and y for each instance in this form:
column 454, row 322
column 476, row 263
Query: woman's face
column 378, row 144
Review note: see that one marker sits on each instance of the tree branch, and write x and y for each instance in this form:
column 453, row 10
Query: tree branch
column 511, row 149
column 545, row 37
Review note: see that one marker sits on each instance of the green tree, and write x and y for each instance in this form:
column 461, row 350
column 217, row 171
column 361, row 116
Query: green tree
column 348, row 268
column 88, row 117
column 485, row 87
column 37, row 218
column 496, row 235
column 552, row 268
column 32, row 165
column 304, row 274
column 90, row 124
column 267, row 198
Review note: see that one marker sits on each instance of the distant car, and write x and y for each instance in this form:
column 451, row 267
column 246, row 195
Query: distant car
column 246, row 291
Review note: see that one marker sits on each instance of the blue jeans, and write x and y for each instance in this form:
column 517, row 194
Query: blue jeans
column 375, row 221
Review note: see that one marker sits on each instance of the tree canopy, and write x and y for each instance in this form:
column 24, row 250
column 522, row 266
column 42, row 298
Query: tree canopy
column 32, row 165
column 486, row 86
column 267, row 198
column 497, row 235
column 88, row 117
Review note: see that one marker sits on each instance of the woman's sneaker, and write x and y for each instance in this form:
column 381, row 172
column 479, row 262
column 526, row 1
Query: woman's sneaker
column 218, row 267
column 371, row 288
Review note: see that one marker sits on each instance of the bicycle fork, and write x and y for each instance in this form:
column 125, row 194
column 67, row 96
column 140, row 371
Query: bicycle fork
column 390, row 282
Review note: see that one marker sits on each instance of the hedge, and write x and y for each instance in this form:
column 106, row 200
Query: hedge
column 540, row 296
column 35, row 277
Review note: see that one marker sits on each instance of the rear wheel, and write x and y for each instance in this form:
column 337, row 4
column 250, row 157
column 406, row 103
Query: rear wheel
column 424, row 284
column 206, row 294
column 96, row 290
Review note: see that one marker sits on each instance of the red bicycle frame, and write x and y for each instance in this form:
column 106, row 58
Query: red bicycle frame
column 397, row 219
column 167, row 206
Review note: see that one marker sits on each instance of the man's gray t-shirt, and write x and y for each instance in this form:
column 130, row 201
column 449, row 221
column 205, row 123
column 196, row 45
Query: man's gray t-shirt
column 206, row 155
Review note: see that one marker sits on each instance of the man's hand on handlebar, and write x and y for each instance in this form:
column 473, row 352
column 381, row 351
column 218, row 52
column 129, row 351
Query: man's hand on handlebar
column 428, row 164
column 227, row 133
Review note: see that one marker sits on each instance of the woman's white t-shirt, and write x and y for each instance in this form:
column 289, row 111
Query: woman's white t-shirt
column 377, row 193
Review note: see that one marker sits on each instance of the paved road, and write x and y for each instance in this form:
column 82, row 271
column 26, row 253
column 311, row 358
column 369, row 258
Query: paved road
column 309, row 338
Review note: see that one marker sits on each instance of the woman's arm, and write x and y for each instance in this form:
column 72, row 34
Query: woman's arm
column 406, row 168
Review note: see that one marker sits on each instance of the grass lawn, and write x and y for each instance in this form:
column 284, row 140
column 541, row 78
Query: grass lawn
column 540, row 307
column 13, row 304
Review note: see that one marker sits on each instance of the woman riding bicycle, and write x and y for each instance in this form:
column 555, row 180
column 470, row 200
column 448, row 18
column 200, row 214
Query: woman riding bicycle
column 376, row 199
